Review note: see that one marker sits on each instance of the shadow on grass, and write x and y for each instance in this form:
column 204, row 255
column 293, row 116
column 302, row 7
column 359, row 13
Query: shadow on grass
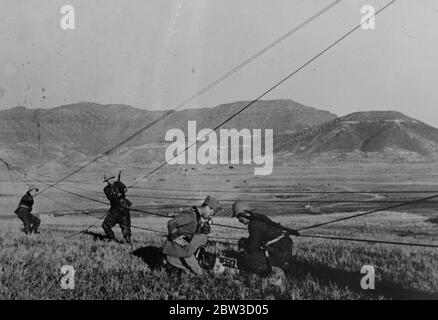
column 301, row 269
column 152, row 256
column 101, row 237
column 433, row 220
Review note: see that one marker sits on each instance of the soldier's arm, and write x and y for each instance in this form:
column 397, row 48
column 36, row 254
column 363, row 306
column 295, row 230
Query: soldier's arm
column 121, row 187
column 254, row 241
column 175, row 223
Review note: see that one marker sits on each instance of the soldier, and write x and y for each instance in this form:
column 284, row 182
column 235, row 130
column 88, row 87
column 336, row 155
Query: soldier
column 31, row 223
column 267, row 245
column 187, row 233
column 118, row 213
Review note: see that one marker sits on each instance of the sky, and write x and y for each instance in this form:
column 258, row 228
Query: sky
column 154, row 54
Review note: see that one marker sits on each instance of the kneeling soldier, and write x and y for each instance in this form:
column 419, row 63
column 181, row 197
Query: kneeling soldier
column 31, row 223
column 187, row 233
column 267, row 245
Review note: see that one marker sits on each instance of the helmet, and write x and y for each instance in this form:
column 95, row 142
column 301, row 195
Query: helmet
column 213, row 203
column 240, row 207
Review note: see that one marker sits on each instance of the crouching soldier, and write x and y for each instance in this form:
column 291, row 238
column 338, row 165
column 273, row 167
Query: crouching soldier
column 267, row 245
column 118, row 213
column 31, row 223
column 187, row 233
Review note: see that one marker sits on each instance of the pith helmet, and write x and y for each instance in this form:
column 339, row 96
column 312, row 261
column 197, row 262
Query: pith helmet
column 240, row 207
column 213, row 203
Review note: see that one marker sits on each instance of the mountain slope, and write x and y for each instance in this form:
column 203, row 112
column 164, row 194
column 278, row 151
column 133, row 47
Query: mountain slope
column 68, row 135
column 376, row 132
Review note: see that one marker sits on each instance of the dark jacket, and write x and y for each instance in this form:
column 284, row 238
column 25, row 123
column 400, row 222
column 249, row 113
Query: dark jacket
column 261, row 231
column 116, row 196
column 26, row 203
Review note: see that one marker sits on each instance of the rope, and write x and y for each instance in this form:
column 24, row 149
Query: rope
column 374, row 241
column 88, row 228
column 196, row 95
column 10, row 175
column 369, row 212
column 408, row 244
column 227, row 226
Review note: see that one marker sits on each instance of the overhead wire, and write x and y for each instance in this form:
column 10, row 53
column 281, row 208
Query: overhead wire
column 276, row 85
column 369, row 212
column 196, row 95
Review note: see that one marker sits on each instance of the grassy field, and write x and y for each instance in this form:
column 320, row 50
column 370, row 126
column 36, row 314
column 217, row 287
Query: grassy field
column 30, row 265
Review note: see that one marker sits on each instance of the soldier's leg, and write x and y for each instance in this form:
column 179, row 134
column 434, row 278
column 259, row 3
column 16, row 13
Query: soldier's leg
column 176, row 262
column 198, row 241
column 189, row 264
column 35, row 223
column 27, row 223
column 253, row 262
column 125, row 226
column 109, row 222
column 282, row 253
column 192, row 264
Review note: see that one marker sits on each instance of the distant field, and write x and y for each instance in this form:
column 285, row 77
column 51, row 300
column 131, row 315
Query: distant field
column 276, row 194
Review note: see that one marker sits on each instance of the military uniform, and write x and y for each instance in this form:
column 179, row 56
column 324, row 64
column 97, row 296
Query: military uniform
column 31, row 222
column 261, row 231
column 188, row 225
column 119, row 211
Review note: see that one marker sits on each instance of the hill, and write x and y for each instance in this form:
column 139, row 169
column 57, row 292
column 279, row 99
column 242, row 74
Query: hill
column 66, row 136
column 384, row 134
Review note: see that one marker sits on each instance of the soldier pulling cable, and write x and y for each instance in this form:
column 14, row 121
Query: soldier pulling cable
column 118, row 213
column 30, row 222
column 268, row 243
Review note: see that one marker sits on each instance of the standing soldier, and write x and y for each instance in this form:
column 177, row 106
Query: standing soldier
column 267, row 245
column 118, row 213
column 187, row 233
column 31, row 223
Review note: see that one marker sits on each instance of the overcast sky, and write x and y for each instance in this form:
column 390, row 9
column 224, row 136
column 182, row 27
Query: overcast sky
column 153, row 54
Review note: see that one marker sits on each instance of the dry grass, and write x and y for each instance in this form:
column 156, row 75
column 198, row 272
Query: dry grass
column 30, row 265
